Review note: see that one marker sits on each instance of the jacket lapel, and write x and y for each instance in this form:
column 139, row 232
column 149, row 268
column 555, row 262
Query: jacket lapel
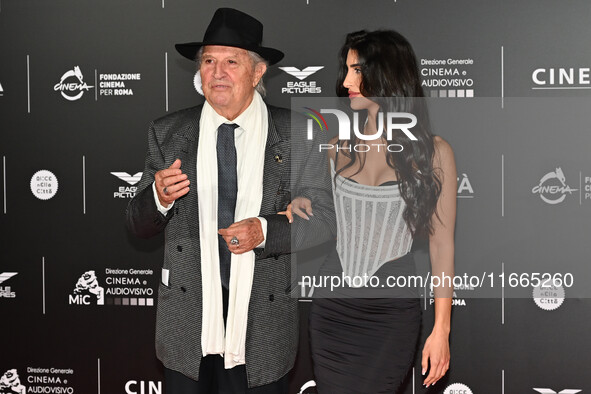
column 187, row 141
column 276, row 163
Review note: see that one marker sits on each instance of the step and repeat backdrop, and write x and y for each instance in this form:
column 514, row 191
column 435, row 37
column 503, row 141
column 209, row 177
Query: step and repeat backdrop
column 80, row 81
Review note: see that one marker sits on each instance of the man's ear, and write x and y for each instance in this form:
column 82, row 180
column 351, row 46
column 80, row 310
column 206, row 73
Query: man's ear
column 259, row 70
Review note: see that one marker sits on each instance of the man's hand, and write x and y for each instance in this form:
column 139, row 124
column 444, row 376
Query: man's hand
column 249, row 233
column 171, row 183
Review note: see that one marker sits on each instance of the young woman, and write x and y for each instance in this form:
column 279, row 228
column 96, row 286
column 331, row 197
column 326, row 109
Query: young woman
column 384, row 198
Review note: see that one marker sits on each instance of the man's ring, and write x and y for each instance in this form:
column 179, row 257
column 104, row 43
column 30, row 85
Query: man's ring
column 165, row 191
column 234, row 241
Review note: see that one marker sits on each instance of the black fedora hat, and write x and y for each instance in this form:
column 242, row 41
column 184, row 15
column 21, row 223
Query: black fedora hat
column 233, row 28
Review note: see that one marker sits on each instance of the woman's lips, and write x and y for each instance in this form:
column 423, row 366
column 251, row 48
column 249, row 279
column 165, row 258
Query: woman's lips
column 354, row 94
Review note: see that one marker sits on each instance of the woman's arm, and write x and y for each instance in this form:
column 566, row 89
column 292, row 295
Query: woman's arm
column 302, row 206
column 441, row 252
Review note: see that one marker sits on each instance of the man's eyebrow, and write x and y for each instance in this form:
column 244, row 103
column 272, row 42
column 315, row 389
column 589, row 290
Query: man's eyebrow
column 205, row 54
column 355, row 65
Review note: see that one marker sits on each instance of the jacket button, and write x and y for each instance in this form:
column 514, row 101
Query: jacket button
column 179, row 248
column 271, row 298
column 176, row 210
column 183, row 289
column 276, row 257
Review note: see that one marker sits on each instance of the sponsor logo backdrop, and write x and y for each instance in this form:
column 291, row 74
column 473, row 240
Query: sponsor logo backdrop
column 80, row 82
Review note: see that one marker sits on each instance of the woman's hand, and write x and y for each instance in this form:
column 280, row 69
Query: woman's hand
column 436, row 353
column 301, row 206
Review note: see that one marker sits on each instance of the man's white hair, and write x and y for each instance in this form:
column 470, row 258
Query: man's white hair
column 254, row 57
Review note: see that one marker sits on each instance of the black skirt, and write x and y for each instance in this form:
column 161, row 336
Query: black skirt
column 364, row 345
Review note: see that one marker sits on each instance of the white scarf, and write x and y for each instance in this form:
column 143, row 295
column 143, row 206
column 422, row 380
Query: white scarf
column 250, row 162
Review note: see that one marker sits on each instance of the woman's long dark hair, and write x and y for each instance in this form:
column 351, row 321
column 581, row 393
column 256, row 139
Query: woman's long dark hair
column 390, row 77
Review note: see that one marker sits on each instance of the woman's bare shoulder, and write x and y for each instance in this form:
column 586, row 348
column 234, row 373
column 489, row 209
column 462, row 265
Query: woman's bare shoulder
column 443, row 150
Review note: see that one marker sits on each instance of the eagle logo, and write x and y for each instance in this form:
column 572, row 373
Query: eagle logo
column 6, row 275
column 301, row 74
column 131, row 179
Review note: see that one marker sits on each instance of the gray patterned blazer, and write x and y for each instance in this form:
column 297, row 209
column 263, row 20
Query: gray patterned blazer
column 272, row 331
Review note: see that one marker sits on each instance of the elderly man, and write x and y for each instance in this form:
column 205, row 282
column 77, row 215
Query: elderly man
column 215, row 178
